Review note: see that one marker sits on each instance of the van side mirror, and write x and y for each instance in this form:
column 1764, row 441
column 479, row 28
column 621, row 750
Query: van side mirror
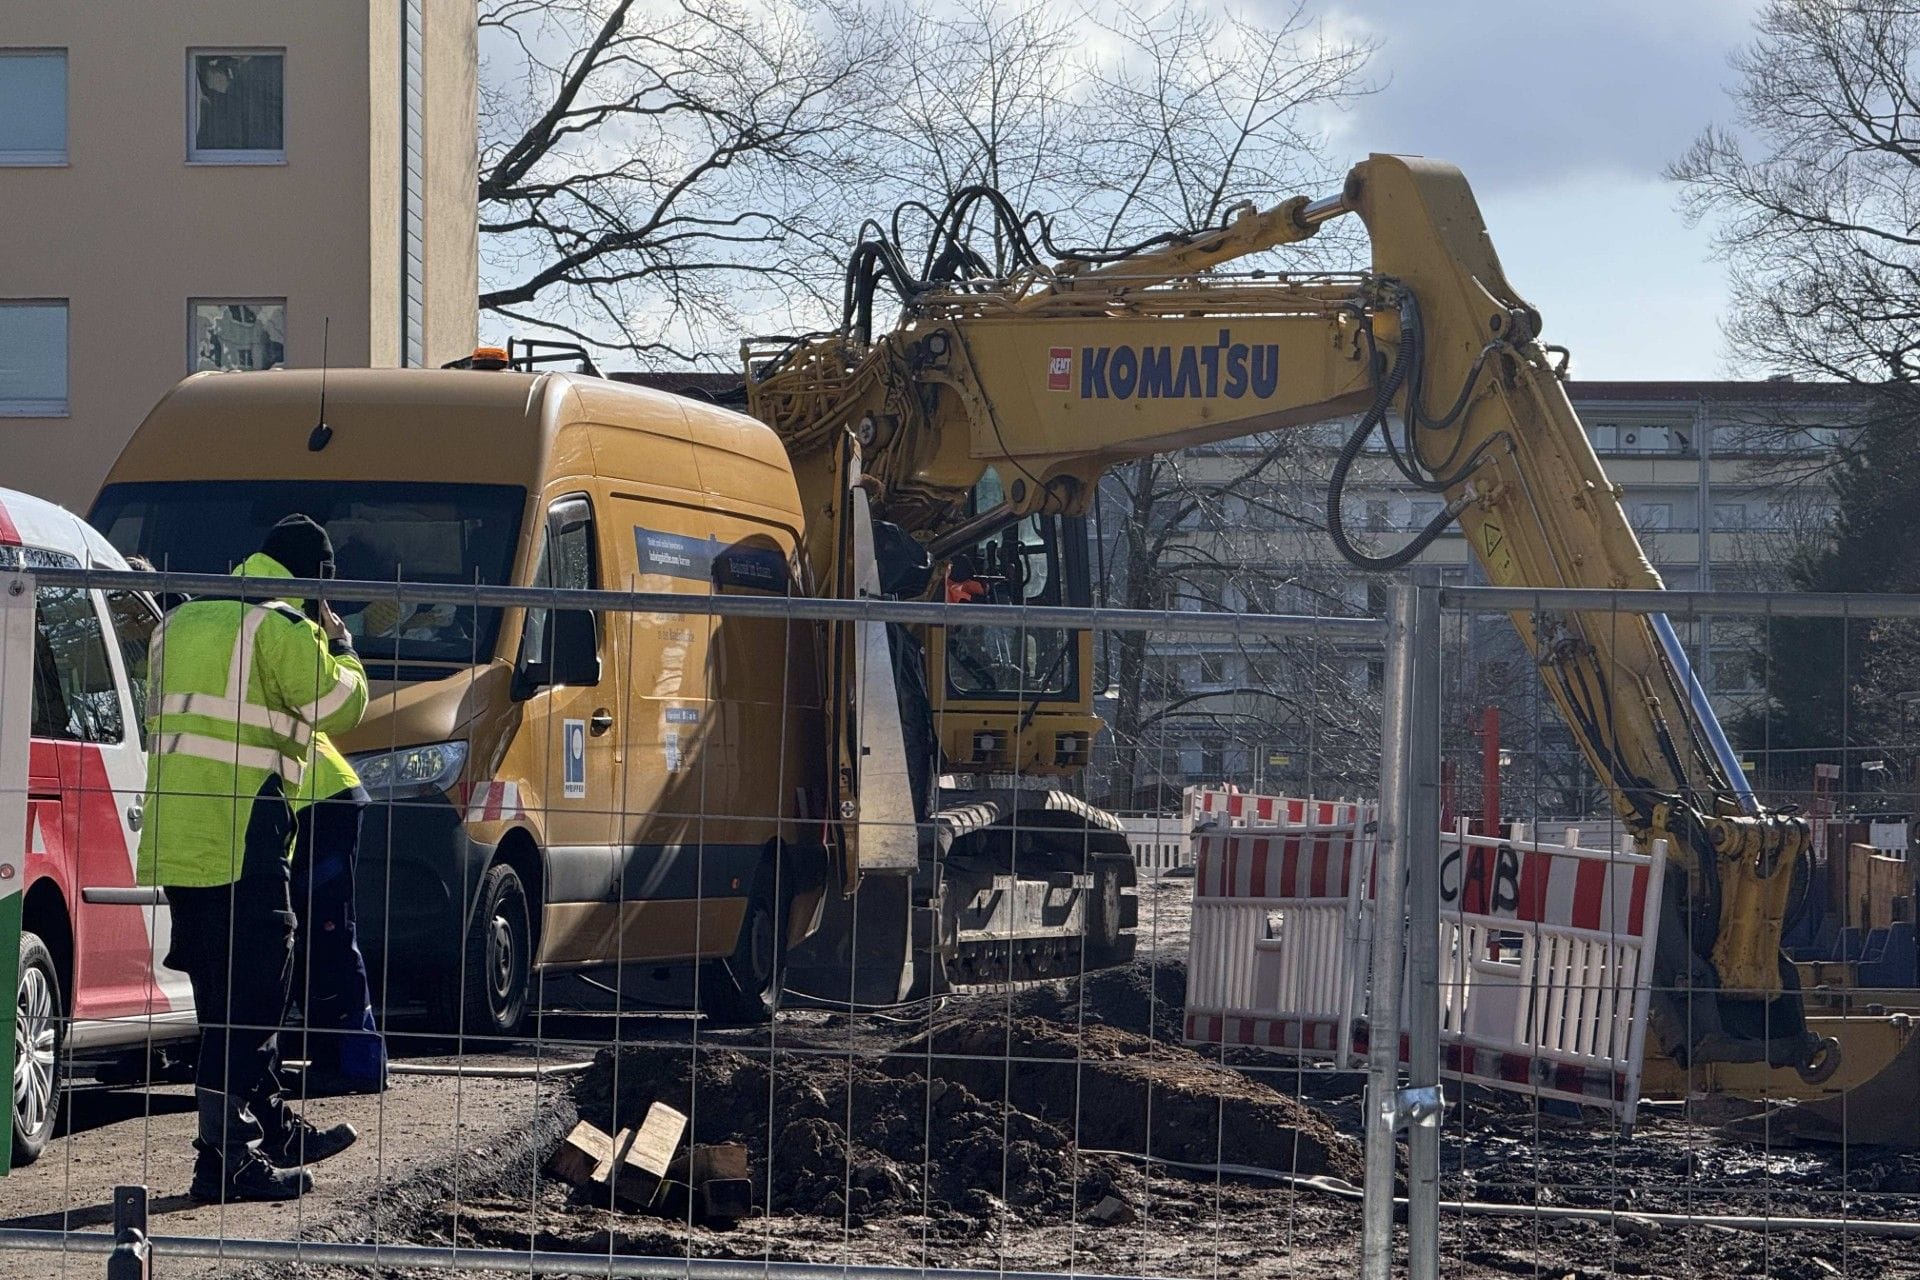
column 562, row 647
column 575, row 641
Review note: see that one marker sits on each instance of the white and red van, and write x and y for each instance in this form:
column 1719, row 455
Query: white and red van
column 92, row 993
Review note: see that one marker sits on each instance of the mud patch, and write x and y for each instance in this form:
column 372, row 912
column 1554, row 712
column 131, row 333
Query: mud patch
column 1112, row 1089
column 1145, row 997
column 846, row 1138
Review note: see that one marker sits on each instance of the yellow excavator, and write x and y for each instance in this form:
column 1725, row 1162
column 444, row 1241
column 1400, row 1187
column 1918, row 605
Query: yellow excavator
column 970, row 438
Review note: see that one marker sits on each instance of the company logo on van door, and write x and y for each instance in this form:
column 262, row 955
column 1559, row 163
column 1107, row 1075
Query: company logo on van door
column 739, row 566
column 1196, row 371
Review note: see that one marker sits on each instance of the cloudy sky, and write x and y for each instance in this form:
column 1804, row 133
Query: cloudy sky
column 1562, row 114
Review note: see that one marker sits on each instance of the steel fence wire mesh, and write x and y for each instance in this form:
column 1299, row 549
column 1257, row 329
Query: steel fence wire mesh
column 577, row 929
column 1725, row 1168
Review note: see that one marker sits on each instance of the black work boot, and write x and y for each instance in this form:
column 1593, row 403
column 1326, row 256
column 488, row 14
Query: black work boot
column 302, row 1143
column 243, row 1175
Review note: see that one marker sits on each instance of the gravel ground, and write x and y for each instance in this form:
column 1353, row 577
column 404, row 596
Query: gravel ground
column 983, row 1132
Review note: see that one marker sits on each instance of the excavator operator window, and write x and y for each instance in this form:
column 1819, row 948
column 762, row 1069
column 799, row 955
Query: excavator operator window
column 1039, row 560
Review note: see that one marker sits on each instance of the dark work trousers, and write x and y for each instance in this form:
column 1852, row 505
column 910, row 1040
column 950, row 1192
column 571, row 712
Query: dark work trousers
column 330, row 975
column 235, row 944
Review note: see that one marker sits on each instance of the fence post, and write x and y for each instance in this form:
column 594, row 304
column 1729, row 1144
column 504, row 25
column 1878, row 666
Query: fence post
column 131, row 1258
column 16, row 679
column 1389, row 937
column 1422, row 1105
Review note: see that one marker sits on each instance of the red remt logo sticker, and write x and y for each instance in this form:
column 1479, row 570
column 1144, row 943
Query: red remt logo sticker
column 1059, row 368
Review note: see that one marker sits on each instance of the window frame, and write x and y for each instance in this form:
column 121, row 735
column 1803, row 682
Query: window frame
column 563, row 514
column 12, row 408
column 46, row 159
column 135, row 691
column 193, row 354
column 235, row 156
column 1642, row 516
column 81, row 728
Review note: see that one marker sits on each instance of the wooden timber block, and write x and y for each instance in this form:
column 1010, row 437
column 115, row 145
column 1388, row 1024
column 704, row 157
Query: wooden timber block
column 704, row 1162
column 633, row 1172
column 580, row 1155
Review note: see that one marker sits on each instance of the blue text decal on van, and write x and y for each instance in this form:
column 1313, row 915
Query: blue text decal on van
column 739, row 566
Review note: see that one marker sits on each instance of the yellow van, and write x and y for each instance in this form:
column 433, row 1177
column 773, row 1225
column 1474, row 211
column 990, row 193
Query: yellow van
column 554, row 790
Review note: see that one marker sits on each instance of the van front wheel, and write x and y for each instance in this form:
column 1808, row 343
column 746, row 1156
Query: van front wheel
column 744, row 989
column 491, row 996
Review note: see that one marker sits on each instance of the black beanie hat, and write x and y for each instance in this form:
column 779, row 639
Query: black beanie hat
column 299, row 544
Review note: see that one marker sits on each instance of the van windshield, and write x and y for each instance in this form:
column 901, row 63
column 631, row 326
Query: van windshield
column 383, row 531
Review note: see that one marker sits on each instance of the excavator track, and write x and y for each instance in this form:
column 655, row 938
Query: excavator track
column 1034, row 886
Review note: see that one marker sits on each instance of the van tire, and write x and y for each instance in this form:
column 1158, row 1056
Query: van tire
column 491, row 994
column 745, row 988
column 38, row 1018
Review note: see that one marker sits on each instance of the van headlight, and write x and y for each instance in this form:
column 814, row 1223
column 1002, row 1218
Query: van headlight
column 411, row 771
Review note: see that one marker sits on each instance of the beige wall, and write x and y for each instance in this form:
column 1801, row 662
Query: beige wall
column 127, row 231
column 383, row 204
column 453, row 224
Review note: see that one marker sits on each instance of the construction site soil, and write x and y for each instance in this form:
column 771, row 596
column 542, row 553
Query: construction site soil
column 1065, row 1127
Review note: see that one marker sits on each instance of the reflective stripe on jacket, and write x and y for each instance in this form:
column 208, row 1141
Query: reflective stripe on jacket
column 329, row 776
column 238, row 692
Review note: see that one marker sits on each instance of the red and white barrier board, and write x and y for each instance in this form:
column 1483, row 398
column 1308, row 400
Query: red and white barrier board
column 1546, row 961
column 1280, row 932
column 1545, row 948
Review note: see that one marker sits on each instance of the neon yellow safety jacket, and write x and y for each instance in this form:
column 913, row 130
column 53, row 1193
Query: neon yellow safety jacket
column 329, row 775
column 238, row 692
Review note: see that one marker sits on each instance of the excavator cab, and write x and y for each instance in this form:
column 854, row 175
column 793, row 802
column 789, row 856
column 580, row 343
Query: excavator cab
column 1012, row 697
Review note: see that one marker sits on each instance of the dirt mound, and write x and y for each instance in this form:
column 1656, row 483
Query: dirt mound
column 1112, row 1089
column 838, row 1137
column 1146, row 998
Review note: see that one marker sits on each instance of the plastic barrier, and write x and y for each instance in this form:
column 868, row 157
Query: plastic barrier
column 1227, row 807
column 1278, row 955
column 1160, row 843
column 1546, row 965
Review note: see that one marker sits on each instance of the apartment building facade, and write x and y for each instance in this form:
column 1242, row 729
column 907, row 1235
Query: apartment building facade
column 225, row 185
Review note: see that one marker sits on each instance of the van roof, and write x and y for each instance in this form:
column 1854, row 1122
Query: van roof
column 34, row 522
column 453, row 424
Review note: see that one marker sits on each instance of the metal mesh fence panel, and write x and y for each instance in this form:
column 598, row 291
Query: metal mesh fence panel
column 634, row 1023
column 1181, row 1000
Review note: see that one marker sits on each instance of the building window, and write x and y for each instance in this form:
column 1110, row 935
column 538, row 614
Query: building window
column 236, row 109
column 1644, row 439
column 228, row 334
column 1653, row 515
column 1213, row 669
column 33, row 106
column 33, row 359
column 1737, row 670
column 1729, row 515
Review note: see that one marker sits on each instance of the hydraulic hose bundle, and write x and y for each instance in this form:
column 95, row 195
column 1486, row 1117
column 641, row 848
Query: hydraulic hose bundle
column 1021, row 243
column 1408, row 372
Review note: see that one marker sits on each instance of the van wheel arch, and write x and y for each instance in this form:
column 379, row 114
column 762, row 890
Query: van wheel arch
column 45, row 913
column 519, row 850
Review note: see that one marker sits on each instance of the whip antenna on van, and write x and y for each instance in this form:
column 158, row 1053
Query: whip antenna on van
column 321, row 431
